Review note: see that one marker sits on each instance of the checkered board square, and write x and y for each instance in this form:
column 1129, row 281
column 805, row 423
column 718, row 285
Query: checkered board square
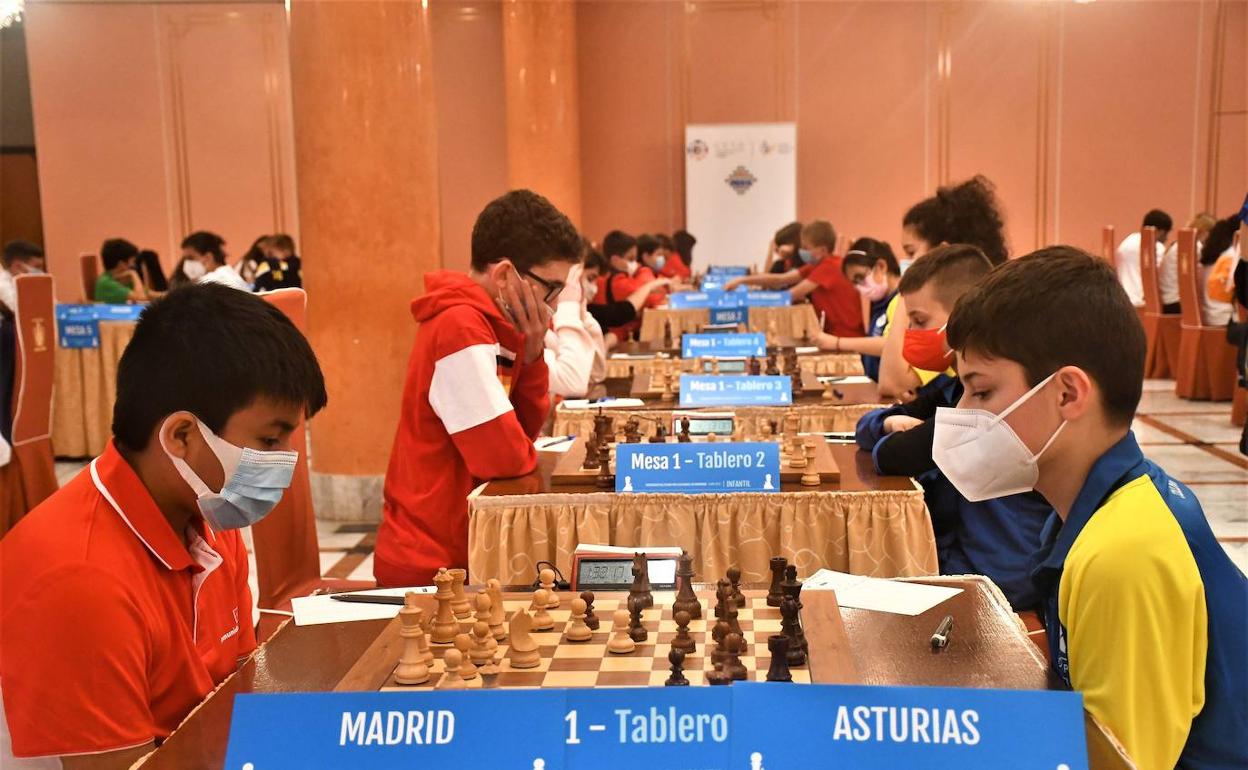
column 588, row 664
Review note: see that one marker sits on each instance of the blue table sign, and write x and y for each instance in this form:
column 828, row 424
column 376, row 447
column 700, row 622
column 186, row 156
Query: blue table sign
column 735, row 390
column 726, row 345
column 697, row 468
column 768, row 298
column 885, row 727
column 119, row 312
column 489, row 729
column 730, row 315
column 77, row 326
column 689, row 300
column 727, row 270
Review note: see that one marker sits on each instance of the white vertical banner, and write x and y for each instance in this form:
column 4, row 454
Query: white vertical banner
column 740, row 187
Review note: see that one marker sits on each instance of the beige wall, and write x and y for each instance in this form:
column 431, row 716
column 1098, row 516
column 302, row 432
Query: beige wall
column 153, row 120
column 1083, row 114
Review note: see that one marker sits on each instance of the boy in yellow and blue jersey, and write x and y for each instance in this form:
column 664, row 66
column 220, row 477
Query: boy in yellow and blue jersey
column 1146, row 615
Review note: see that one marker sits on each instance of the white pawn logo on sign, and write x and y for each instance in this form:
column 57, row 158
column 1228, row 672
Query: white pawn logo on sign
column 628, row 483
column 756, row 761
column 767, row 482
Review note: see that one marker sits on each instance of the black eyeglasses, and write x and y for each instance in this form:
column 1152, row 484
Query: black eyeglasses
column 553, row 288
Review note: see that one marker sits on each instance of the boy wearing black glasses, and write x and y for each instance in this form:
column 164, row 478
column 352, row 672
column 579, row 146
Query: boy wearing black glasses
column 476, row 390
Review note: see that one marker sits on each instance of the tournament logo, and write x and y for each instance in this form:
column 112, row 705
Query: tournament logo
column 697, row 149
column 741, row 180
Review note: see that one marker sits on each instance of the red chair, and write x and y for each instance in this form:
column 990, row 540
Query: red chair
column 1206, row 367
column 288, row 562
column 30, row 476
column 1109, row 246
column 89, row 270
column 1161, row 330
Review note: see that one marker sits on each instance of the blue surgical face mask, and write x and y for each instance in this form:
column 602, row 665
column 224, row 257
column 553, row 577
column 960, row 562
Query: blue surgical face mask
column 805, row 256
column 659, row 262
column 254, row 482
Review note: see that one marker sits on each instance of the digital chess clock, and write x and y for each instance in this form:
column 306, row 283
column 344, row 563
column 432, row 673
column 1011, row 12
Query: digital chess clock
column 615, row 573
column 700, row 424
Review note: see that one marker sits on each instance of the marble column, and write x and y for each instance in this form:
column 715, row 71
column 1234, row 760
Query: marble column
column 539, row 76
column 366, row 159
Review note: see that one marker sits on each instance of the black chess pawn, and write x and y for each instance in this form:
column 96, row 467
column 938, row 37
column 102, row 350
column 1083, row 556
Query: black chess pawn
column 684, row 437
column 592, row 454
column 732, row 660
column 636, row 629
column 795, row 656
column 778, row 671
column 734, row 578
column 660, row 434
column 605, row 479
column 591, row 619
column 683, row 641
column 772, row 368
column 677, row 679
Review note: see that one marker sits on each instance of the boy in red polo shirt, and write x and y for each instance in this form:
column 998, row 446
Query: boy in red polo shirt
column 476, row 390
column 125, row 598
column 820, row 278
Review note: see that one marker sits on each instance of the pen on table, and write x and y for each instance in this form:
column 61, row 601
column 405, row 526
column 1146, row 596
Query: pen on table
column 556, row 442
column 367, row 598
column 941, row 638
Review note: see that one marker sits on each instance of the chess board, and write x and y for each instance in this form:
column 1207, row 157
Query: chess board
column 588, row 664
column 568, row 469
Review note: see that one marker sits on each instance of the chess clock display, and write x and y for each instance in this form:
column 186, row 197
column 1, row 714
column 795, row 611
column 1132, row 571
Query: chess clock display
column 614, row 573
column 701, row 424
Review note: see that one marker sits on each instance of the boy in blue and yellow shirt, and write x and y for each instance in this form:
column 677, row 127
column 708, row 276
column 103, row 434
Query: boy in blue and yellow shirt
column 1146, row 615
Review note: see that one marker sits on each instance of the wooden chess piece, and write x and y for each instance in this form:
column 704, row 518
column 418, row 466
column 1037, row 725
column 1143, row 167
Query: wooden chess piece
column 641, row 580
column 542, row 621
column 460, row 604
column 667, row 335
column 719, row 634
column 485, row 610
column 620, row 642
column 778, row 671
column 605, row 479
column 412, row 668
column 498, row 613
column 677, row 678
column 667, row 394
column 522, row 650
column 660, row 434
column 636, row 629
column 546, row 579
column 792, row 587
column 451, row 679
column 797, row 454
column 684, row 436
column 795, row 656
column 591, row 620
column 467, row 669
column 827, row 391
column 683, row 640
column 732, row 660
column 444, row 626
column 592, row 455
column 734, row 580
column 772, row 368
column 714, row 366
column 481, row 652
column 774, row 593
column 711, row 438
column 686, row 598
column 577, row 630
column 810, row 477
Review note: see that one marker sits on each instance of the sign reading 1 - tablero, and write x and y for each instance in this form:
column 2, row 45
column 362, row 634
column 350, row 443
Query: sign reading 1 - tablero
column 697, row 468
column 735, row 390
column 749, row 726
column 723, row 345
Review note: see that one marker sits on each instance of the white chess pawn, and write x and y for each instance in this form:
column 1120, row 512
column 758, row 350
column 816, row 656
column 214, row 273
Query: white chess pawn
column 498, row 613
column 620, row 643
column 451, row 680
column 578, row 631
column 467, row 669
column 547, row 577
column 485, row 611
column 542, row 621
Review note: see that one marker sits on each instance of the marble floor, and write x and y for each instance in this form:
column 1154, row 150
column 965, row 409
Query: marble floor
column 1193, row 440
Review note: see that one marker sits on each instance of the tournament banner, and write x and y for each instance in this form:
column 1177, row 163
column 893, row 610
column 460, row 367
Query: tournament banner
column 759, row 726
column 740, row 185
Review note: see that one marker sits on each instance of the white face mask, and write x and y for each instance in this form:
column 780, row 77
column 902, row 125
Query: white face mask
column 980, row 453
column 631, row 269
column 590, row 290
column 194, row 269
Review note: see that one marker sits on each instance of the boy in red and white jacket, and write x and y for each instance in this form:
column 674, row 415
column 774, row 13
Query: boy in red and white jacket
column 476, row 389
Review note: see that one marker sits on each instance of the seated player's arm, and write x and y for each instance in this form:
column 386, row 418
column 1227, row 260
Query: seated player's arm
column 802, row 290
column 765, row 280
column 642, row 293
column 571, row 356
column 1137, row 635
column 867, row 346
column 475, row 408
column 904, row 433
column 613, row 315
column 896, row 375
column 74, row 662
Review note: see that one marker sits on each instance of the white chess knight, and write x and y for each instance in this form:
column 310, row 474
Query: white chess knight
column 756, row 761
column 628, row 483
column 767, row 482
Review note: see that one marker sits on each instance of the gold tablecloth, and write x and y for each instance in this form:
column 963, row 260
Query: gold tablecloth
column 791, row 321
column 823, row 364
column 818, row 418
column 84, row 390
column 883, row 534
